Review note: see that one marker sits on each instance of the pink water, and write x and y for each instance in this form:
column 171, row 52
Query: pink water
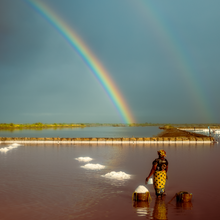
column 46, row 182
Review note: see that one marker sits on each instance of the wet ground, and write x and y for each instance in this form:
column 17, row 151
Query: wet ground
column 174, row 132
column 47, row 182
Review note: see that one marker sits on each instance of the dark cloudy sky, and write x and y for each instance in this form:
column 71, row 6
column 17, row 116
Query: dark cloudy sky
column 164, row 57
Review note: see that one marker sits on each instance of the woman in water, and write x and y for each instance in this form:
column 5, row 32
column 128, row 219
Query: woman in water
column 159, row 170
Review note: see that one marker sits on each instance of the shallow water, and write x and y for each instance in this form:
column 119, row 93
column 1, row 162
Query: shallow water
column 47, row 182
column 108, row 132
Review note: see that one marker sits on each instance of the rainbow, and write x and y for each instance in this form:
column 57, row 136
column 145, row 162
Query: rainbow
column 88, row 57
column 170, row 40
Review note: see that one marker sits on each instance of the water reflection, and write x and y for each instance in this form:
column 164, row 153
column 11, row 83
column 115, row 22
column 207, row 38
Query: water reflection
column 158, row 212
column 143, row 208
column 43, row 181
column 105, row 132
column 160, row 208
column 184, row 205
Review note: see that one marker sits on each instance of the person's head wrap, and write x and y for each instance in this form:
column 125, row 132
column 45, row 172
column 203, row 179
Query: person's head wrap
column 162, row 153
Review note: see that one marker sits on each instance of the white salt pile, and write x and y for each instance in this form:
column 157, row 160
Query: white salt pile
column 6, row 149
column 15, row 145
column 84, row 159
column 91, row 166
column 117, row 175
column 141, row 189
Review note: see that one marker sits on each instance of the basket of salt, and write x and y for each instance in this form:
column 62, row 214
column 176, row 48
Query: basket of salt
column 183, row 197
column 141, row 193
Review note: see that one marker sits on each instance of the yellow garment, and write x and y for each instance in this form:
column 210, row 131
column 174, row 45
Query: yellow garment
column 160, row 181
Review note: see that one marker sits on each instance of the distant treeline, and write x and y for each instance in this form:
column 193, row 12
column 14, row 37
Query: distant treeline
column 40, row 125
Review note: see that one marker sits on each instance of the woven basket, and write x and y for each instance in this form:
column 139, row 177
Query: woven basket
column 141, row 196
column 183, row 197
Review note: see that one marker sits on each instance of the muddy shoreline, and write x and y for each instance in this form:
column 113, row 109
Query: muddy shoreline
column 174, row 132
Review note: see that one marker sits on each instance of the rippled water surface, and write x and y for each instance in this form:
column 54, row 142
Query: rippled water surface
column 46, row 182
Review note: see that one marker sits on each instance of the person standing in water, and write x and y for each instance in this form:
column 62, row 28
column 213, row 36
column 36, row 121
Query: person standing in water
column 159, row 170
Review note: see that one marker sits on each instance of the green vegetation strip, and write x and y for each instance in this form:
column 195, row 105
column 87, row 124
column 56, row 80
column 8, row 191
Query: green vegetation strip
column 39, row 125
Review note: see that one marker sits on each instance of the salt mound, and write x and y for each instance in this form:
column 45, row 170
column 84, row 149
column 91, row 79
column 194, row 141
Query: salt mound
column 117, row 175
column 91, row 166
column 6, row 149
column 141, row 189
column 15, row 144
column 84, row 159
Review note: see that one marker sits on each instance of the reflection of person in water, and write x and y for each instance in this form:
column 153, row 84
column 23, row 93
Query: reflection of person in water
column 160, row 209
column 159, row 170
column 158, row 212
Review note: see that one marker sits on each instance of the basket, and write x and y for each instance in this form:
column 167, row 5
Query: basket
column 141, row 196
column 183, row 197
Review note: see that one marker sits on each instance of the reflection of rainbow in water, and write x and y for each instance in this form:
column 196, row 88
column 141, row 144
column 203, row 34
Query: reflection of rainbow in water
column 169, row 38
column 88, row 57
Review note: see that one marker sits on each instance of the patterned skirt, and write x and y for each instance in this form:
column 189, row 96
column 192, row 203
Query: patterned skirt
column 159, row 181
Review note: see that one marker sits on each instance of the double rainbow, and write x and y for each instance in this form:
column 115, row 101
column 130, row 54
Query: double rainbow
column 88, row 57
column 181, row 57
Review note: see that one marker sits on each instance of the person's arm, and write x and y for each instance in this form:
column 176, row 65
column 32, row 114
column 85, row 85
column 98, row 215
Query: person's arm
column 167, row 170
column 153, row 169
column 167, row 165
